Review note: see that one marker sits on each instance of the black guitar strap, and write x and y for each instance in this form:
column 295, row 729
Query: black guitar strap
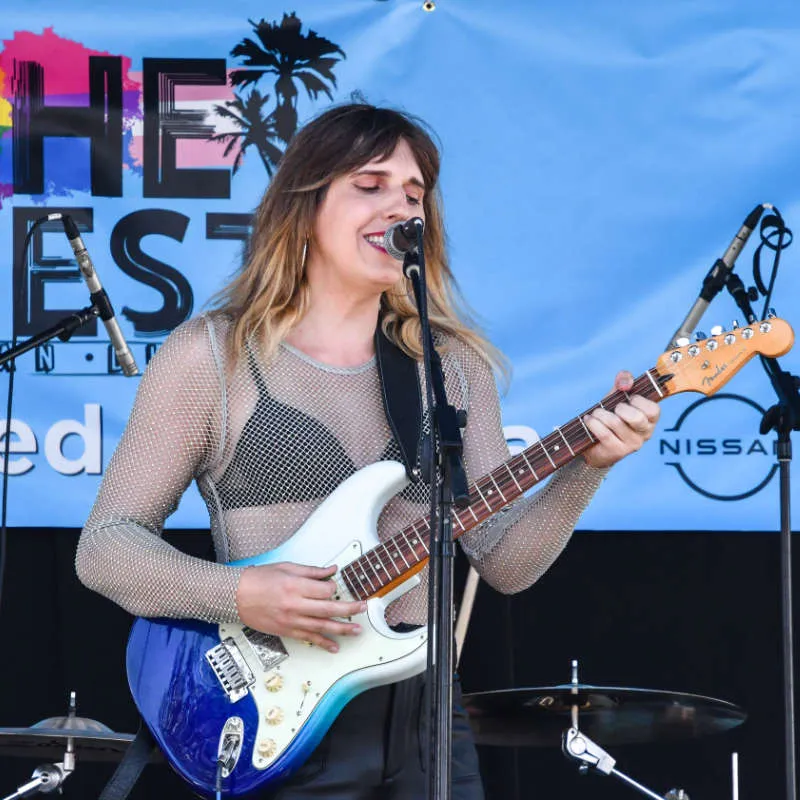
column 140, row 751
column 402, row 399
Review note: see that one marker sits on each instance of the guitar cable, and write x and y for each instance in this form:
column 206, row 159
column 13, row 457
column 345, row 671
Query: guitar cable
column 218, row 782
column 226, row 760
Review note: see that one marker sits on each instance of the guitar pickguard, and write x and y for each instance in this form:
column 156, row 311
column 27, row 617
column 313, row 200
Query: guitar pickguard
column 298, row 684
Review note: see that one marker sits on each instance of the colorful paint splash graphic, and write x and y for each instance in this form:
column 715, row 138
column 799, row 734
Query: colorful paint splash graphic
column 65, row 64
column 5, row 133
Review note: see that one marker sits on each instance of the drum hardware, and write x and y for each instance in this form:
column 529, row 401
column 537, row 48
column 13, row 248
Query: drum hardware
column 538, row 716
column 68, row 737
column 591, row 756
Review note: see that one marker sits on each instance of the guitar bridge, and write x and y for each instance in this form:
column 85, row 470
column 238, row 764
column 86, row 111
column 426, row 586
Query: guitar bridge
column 231, row 670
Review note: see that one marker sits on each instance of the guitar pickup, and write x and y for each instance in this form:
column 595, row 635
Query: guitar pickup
column 231, row 670
column 269, row 649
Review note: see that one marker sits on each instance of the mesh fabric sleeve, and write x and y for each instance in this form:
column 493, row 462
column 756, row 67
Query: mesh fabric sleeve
column 170, row 436
column 515, row 547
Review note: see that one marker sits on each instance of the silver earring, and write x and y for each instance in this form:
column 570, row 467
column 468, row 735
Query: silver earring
column 303, row 256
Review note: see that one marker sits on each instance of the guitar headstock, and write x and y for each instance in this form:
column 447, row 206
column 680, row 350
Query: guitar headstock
column 707, row 365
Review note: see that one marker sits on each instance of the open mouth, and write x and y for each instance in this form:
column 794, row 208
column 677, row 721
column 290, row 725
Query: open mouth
column 376, row 240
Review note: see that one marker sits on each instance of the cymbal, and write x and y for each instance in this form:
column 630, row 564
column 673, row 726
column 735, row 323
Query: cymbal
column 538, row 716
column 47, row 740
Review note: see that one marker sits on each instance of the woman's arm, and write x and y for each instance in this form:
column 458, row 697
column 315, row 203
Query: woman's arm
column 171, row 434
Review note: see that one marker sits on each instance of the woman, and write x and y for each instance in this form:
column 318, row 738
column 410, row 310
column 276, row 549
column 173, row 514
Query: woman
column 273, row 399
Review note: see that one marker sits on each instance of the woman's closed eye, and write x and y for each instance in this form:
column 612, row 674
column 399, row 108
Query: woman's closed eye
column 412, row 199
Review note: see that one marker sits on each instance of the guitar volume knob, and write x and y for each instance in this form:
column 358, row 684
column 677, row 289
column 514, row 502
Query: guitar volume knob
column 274, row 682
column 267, row 748
column 274, row 716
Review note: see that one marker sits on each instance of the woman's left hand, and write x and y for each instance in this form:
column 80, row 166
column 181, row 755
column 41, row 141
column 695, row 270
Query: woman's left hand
column 622, row 431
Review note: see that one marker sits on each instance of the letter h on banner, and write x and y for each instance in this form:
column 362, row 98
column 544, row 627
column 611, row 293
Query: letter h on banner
column 101, row 121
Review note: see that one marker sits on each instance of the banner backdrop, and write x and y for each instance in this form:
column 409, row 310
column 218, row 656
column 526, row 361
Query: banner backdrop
column 598, row 159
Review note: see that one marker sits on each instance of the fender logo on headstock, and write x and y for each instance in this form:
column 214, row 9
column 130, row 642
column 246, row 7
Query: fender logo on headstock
column 709, row 379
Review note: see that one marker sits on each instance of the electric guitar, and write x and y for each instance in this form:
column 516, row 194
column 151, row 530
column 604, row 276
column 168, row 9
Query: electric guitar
column 237, row 709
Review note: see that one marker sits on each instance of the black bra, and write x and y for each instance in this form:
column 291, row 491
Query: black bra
column 283, row 456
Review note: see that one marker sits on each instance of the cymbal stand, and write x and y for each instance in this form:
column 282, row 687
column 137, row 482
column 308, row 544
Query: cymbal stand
column 48, row 778
column 590, row 755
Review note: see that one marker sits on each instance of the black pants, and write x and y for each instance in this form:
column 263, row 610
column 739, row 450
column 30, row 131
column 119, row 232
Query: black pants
column 377, row 749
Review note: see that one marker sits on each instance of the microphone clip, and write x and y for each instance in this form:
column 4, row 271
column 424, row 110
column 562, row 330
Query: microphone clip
column 411, row 263
column 715, row 280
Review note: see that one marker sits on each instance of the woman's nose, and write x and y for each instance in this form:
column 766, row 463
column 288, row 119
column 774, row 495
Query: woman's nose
column 398, row 206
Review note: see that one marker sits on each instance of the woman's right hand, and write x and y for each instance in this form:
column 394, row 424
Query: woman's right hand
column 295, row 600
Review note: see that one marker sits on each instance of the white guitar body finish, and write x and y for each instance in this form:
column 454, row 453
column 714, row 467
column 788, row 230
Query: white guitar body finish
column 310, row 680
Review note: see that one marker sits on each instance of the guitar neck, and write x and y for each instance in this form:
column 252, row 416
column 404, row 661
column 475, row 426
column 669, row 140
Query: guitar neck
column 395, row 560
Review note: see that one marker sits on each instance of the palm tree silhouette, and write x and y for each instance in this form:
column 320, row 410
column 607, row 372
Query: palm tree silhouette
column 284, row 51
column 255, row 130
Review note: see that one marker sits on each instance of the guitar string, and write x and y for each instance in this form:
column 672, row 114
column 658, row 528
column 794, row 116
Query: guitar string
column 575, row 430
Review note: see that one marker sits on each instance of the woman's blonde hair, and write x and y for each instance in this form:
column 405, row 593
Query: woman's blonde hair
column 270, row 293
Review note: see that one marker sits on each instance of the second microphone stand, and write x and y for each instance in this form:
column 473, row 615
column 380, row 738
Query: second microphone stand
column 783, row 418
column 448, row 484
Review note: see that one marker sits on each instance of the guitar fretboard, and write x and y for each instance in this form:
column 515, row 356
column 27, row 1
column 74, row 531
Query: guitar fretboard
column 394, row 560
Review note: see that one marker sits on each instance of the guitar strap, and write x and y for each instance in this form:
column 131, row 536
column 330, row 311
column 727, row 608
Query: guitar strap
column 140, row 751
column 402, row 400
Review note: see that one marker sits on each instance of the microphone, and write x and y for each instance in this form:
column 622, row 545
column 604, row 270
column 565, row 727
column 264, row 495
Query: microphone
column 401, row 238
column 719, row 274
column 739, row 241
column 99, row 297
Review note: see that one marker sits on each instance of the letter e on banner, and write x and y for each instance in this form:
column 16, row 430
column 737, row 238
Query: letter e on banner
column 25, row 443
column 90, row 461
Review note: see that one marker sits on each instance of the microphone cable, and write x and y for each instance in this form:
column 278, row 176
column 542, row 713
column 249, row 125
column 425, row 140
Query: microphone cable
column 12, row 368
column 775, row 236
column 772, row 225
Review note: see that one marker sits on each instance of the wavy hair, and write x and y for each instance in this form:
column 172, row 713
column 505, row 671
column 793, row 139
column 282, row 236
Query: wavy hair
column 270, row 293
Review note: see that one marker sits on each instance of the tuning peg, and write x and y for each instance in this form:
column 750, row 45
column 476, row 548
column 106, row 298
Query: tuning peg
column 682, row 341
column 699, row 336
column 716, row 330
column 735, row 325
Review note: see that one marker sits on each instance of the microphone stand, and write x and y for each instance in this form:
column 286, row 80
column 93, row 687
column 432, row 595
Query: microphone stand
column 63, row 329
column 783, row 417
column 718, row 276
column 448, row 483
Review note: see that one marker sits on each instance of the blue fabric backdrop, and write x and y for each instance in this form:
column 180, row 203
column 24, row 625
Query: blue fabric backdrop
column 598, row 158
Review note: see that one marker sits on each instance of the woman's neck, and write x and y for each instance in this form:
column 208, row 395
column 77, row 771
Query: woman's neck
column 337, row 331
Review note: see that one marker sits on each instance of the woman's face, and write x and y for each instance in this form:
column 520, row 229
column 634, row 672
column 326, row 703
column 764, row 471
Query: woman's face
column 346, row 250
